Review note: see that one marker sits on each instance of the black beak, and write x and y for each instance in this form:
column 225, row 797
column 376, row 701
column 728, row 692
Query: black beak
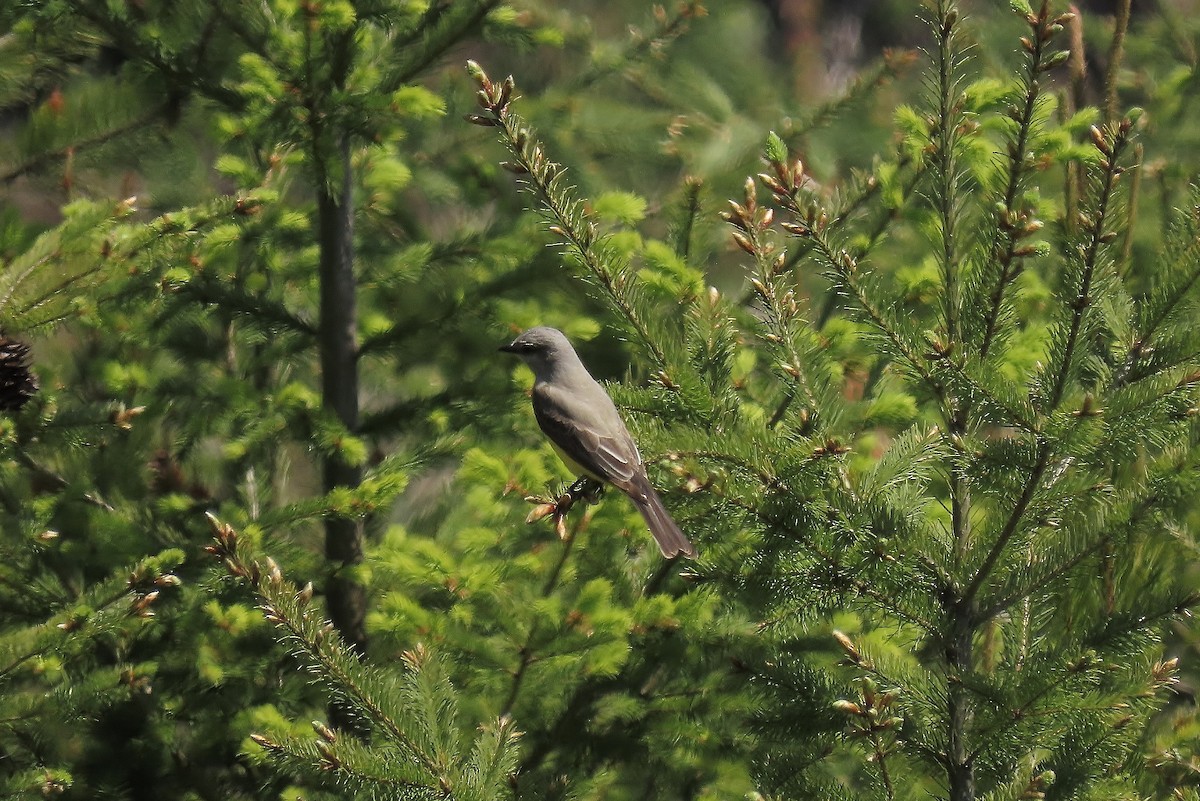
column 507, row 348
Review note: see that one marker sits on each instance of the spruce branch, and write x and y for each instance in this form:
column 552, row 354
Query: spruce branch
column 1158, row 306
column 54, row 479
column 813, row 225
column 39, row 160
column 314, row 642
column 93, row 615
column 1013, row 225
column 345, row 764
column 890, row 214
column 751, row 224
column 259, row 308
column 544, row 179
column 852, row 199
column 682, row 230
column 399, row 416
column 1111, row 142
column 872, row 718
column 1116, row 54
column 1033, row 483
column 416, row 717
column 641, row 46
column 875, row 673
column 836, row 572
column 1135, row 195
column 40, row 287
column 1116, row 628
column 862, row 193
column 178, row 69
column 34, row 287
column 527, row 655
column 1011, row 523
column 1041, row 581
column 1075, row 668
column 866, row 82
column 238, row 21
column 437, row 34
column 400, row 333
column 378, row 487
column 752, row 469
column 943, row 162
column 960, row 377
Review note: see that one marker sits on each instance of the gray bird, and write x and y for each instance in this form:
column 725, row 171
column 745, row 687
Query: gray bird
column 583, row 425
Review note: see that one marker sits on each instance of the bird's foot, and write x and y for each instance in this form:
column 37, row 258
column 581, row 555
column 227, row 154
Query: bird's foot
column 584, row 489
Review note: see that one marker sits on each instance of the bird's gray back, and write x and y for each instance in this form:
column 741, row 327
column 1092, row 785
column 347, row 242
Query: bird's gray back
column 578, row 416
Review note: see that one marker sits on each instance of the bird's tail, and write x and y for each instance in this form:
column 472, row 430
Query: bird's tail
column 664, row 528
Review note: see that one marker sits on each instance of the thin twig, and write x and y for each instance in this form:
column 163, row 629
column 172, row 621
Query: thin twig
column 1116, row 53
column 37, row 161
column 56, row 480
column 1135, row 192
column 527, row 654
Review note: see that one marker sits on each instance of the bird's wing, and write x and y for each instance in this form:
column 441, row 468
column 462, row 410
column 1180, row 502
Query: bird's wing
column 587, row 428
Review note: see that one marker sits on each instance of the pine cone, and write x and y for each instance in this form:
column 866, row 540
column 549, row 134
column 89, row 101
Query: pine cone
column 17, row 382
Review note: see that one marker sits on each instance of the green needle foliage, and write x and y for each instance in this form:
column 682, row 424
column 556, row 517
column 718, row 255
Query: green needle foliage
column 1009, row 544
column 417, row 750
column 977, row 486
column 925, row 400
column 294, row 324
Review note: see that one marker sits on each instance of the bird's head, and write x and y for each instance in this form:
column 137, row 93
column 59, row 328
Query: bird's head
column 543, row 348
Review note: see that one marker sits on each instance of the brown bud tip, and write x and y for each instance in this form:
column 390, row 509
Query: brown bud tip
column 263, row 742
column 847, row 645
column 743, row 242
column 751, row 193
column 540, row 512
column 324, row 732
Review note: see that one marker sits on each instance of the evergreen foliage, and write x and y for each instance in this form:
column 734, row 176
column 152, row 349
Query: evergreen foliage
column 416, row 750
column 1019, row 563
column 981, row 549
column 925, row 401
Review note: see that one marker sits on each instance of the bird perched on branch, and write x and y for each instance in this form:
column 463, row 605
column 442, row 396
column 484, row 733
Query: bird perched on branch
column 583, row 425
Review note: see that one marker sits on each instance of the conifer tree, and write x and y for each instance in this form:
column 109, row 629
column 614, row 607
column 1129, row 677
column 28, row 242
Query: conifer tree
column 934, row 487
column 935, row 447
column 193, row 384
column 1007, row 578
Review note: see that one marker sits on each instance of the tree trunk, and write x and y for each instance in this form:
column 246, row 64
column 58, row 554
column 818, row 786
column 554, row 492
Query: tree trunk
column 960, row 768
column 960, row 656
column 345, row 595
